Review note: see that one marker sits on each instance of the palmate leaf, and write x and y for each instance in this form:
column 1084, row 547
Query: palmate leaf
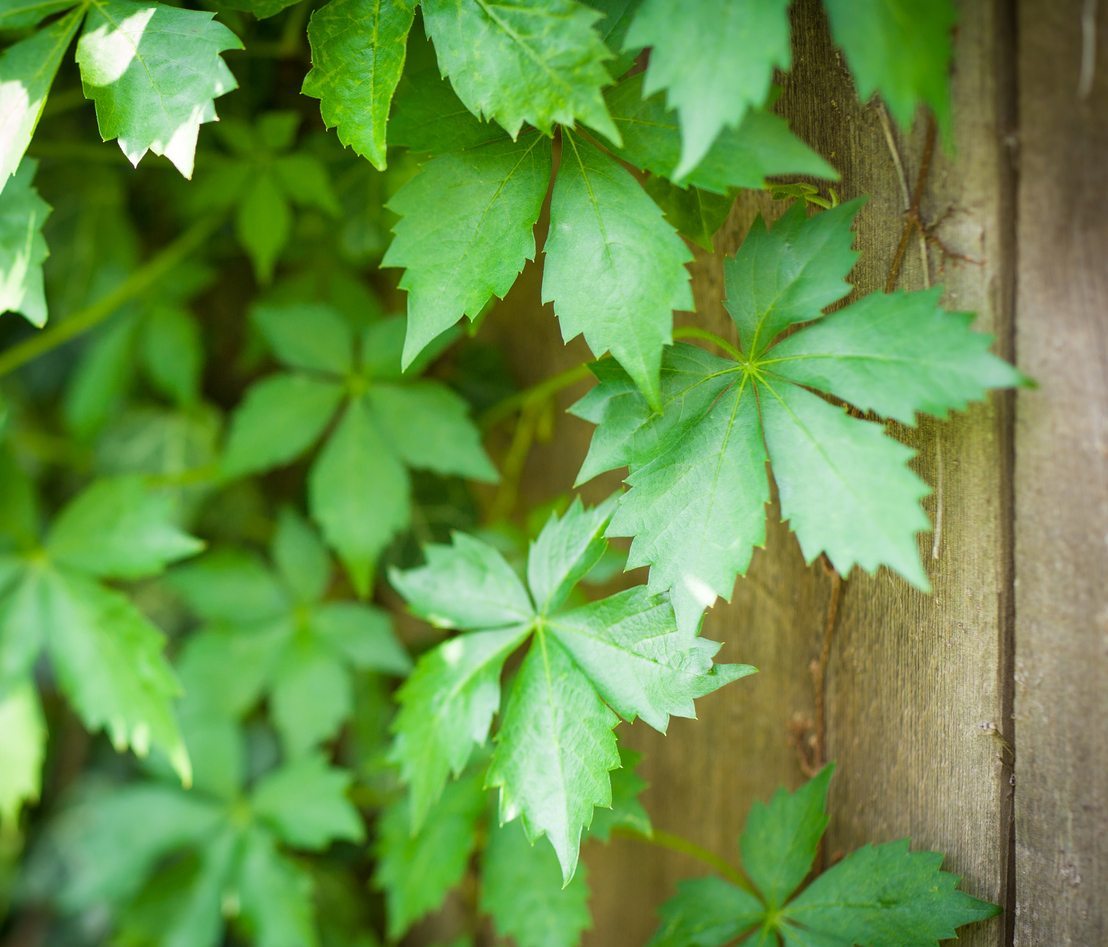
column 22, row 246
column 27, row 71
column 715, row 61
column 385, row 421
column 881, row 894
column 358, row 49
column 697, row 470
column 22, row 751
column 19, row 14
column 900, row 49
column 585, row 668
column 154, row 73
column 534, row 61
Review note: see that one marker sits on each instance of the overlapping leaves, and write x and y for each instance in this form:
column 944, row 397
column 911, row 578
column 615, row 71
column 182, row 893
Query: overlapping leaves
column 697, row 470
column 879, row 894
column 381, row 423
column 585, row 669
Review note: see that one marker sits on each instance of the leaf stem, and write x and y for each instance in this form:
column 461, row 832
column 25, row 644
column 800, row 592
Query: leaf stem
column 91, row 316
column 532, row 396
column 692, row 332
column 678, row 843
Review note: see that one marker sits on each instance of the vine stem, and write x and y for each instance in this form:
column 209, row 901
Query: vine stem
column 678, row 843
column 91, row 316
column 534, row 395
column 693, row 332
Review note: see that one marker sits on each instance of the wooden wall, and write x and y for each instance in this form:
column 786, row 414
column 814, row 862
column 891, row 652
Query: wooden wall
column 973, row 720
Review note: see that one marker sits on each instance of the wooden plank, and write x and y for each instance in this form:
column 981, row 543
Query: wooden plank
column 1061, row 480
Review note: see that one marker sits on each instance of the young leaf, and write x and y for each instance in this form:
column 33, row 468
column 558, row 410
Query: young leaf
column 708, row 912
column 534, row 61
column 22, row 246
column 585, row 668
column 900, row 49
column 417, row 870
column 305, row 804
column 358, row 51
column 522, row 891
column 154, row 73
column 615, row 270
column 696, row 471
column 459, row 253
column 715, row 62
column 27, row 71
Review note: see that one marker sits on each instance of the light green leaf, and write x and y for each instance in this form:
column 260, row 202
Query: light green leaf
column 760, row 147
column 715, row 60
column 534, row 61
column 554, row 750
column 707, row 912
column 22, row 246
column 27, row 71
column 24, row 613
column 308, row 336
column 224, row 672
column 119, row 529
column 280, row 417
column 358, row 492
column 22, row 751
column 565, row 551
column 307, row 182
column 900, row 49
column 362, row 634
column 446, row 708
column 883, row 894
column 615, row 270
column 626, row 812
column 173, row 353
column 275, row 894
column 102, row 379
column 522, row 891
column 358, row 49
column 859, row 505
column 789, row 274
column 300, row 557
column 154, row 73
column 459, row 252
column 467, row 584
column 263, row 223
column 230, row 586
column 310, row 695
column 780, row 840
column 417, row 870
column 305, row 803
column 109, row 662
column 895, row 355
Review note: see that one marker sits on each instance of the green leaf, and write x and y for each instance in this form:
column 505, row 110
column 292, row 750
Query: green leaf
column 883, row 894
column 534, row 61
column 22, row 752
column 307, row 336
column 900, row 49
column 762, row 146
column 693, row 213
column 362, row 634
column 358, row 492
column 119, row 529
column 310, row 695
column 27, row 71
column 446, row 709
column 276, row 895
column 554, row 751
column 154, row 72
column 896, row 355
column 358, row 49
column 109, row 662
column 417, row 870
column 230, row 586
column 19, row 14
column 303, row 403
column 613, row 27
column 844, row 485
column 458, row 254
column 262, row 9
column 707, row 912
column 565, row 551
column 263, row 224
column 522, row 891
column 780, row 840
column 24, row 613
column 615, row 270
column 306, row 805
column 173, row 353
column 22, row 246
column 715, row 61
column 300, row 557
column 626, row 812
column 467, row 584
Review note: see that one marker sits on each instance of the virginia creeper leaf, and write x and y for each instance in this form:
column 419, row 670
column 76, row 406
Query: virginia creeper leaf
column 615, row 270
column 358, row 49
column 22, row 246
column 19, row 14
column 627, row 811
column 534, row 61
column 154, row 73
column 715, row 61
column 22, row 751
column 305, row 804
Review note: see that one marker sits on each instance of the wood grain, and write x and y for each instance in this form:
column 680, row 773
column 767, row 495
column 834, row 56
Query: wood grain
column 1061, row 480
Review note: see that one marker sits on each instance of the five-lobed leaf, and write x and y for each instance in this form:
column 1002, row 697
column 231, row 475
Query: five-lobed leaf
column 715, row 61
column 696, row 470
column 154, row 72
column 358, row 49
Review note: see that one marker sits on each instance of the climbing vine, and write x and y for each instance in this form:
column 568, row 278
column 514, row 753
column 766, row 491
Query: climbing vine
column 252, row 429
